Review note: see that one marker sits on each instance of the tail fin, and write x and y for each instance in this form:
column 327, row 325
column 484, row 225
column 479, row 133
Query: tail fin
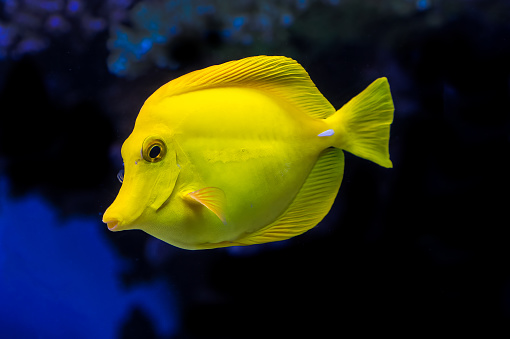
column 364, row 123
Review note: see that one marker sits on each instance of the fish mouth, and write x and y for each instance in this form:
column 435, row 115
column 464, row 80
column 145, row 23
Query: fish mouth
column 112, row 224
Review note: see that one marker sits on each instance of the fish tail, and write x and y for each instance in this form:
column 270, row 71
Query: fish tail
column 363, row 124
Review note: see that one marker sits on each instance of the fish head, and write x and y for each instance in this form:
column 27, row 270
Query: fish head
column 150, row 174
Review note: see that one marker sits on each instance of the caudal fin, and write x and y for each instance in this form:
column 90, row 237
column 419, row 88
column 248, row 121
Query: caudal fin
column 364, row 123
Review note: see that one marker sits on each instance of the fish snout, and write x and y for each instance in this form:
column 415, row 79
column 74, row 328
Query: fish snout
column 112, row 223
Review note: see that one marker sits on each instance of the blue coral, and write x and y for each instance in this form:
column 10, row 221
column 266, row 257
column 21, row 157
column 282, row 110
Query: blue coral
column 152, row 28
column 141, row 34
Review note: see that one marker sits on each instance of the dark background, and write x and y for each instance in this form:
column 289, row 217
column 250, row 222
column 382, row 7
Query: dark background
column 419, row 248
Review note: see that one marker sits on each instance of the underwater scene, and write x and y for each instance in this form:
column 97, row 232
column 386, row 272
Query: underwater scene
column 194, row 169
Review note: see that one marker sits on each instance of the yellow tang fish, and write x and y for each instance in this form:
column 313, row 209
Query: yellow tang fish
column 243, row 153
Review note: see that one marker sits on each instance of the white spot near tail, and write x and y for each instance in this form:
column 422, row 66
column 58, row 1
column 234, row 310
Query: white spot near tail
column 327, row 133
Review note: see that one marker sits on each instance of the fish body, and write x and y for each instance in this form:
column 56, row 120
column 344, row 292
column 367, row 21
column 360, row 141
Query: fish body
column 242, row 153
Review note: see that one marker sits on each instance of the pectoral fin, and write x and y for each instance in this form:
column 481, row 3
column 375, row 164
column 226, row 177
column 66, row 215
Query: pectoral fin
column 211, row 197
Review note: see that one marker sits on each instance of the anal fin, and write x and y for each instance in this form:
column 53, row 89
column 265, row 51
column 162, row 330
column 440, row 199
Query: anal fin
column 311, row 204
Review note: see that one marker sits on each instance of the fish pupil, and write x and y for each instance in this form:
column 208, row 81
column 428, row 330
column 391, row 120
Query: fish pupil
column 155, row 151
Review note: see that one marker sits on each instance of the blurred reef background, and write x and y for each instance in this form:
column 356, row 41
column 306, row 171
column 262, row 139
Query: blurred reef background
column 411, row 250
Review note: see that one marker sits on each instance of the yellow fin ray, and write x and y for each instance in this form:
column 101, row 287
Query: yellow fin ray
column 213, row 198
column 366, row 120
column 276, row 75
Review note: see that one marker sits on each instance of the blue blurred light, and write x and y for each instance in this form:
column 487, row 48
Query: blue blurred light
column 122, row 39
column 247, row 39
column 55, row 21
column 30, row 45
column 6, row 35
column 119, row 65
column 159, row 39
column 422, row 5
column 226, row 33
column 301, row 4
column 47, row 5
column 62, row 279
column 205, row 9
column 264, row 21
column 10, row 6
column 96, row 24
column 238, row 22
column 287, row 19
column 171, row 5
column 174, row 30
column 74, row 6
column 145, row 45
column 127, row 47
column 121, row 3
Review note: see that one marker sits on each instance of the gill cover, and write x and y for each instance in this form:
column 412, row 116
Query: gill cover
column 161, row 170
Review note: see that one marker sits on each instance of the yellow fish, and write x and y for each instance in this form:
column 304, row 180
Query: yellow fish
column 243, row 153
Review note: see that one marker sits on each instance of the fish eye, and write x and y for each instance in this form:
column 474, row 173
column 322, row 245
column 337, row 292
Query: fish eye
column 153, row 150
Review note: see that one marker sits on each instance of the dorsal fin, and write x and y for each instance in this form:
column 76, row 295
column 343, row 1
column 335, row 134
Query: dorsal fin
column 276, row 75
